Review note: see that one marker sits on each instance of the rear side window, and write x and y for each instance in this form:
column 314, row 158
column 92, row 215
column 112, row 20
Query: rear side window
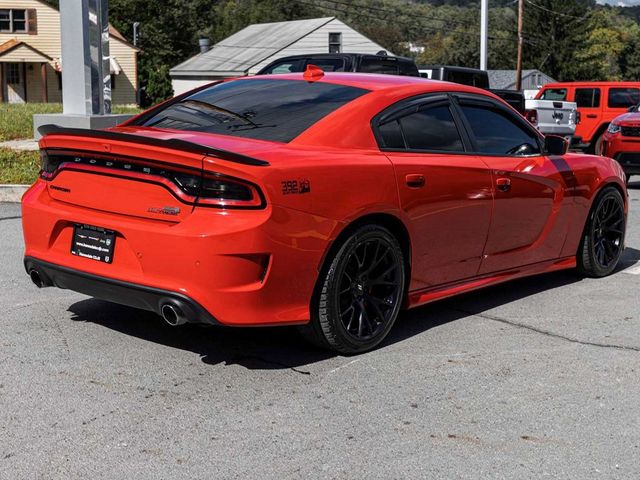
column 378, row 65
column 587, row 97
column 432, row 129
column 623, row 97
column 276, row 110
column 328, row 64
column 558, row 94
column 428, row 128
column 498, row 133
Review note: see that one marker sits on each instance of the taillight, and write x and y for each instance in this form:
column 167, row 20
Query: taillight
column 224, row 191
column 48, row 165
column 532, row 116
column 189, row 185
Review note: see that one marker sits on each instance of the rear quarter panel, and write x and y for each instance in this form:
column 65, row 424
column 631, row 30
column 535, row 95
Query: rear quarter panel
column 591, row 174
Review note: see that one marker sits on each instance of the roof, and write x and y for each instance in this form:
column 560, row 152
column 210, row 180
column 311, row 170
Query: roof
column 505, row 79
column 14, row 44
column 236, row 54
column 367, row 81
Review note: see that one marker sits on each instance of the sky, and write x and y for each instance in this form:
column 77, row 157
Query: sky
column 622, row 3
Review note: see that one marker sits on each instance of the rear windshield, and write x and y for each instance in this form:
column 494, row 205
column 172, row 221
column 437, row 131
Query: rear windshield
column 276, row 110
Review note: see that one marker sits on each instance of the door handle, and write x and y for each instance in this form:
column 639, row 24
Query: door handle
column 503, row 184
column 592, row 115
column 414, row 180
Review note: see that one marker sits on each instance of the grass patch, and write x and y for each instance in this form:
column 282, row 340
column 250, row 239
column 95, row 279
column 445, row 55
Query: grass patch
column 18, row 167
column 16, row 120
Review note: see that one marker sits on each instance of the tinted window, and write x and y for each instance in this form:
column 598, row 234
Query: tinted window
column 277, row 110
column 554, row 94
column 378, row 65
column 285, row 67
column 588, row 97
column 431, row 129
column 498, row 133
column 328, row 64
column 468, row 78
column 623, row 97
column 391, row 135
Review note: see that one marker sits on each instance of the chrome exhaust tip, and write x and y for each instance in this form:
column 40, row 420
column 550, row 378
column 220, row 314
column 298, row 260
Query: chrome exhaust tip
column 36, row 278
column 173, row 315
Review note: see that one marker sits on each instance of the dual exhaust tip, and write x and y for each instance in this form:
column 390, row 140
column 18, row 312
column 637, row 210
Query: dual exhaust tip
column 172, row 313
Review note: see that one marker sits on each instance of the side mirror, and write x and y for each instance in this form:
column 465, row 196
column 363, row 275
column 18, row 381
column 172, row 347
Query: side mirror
column 632, row 108
column 555, row 145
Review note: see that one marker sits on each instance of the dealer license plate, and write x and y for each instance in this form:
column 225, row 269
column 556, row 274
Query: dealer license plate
column 93, row 242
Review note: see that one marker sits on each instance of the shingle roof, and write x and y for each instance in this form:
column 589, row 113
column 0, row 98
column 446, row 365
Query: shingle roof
column 236, row 54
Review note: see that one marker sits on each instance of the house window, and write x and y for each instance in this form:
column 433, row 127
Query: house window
column 335, row 42
column 14, row 20
column 13, row 73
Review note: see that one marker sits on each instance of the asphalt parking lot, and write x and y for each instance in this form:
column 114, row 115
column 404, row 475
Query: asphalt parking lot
column 534, row 379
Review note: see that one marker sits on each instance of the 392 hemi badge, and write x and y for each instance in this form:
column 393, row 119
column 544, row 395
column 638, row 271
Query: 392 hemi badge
column 296, row 187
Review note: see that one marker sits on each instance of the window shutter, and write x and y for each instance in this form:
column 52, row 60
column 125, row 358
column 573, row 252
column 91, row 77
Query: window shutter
column 32, row 21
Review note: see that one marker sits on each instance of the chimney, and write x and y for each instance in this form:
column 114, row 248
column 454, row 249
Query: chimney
column 205, row 45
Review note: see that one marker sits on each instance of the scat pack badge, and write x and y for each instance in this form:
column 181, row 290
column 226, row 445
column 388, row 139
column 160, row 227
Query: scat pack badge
column 296, row 187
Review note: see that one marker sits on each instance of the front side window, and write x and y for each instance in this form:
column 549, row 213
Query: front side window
column 426, row 128
column 335, row 42
column 557, row 94
column 623, row 97
column 275, row 110
column 13, row 20
column 587, row 97
column 498, row 133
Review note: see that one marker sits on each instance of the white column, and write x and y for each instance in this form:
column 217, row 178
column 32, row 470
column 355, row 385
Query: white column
column 484, row 33
column 86, row 79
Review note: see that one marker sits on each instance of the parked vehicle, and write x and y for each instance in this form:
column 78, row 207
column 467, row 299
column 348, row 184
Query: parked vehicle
column 598, row 103
column 473, row 77
column 553, row 117
column 621, row 141
column 245, row 203
column 344, row 62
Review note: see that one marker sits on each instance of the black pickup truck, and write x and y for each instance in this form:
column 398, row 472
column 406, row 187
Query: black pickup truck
column 474, row 77
column 344, row 62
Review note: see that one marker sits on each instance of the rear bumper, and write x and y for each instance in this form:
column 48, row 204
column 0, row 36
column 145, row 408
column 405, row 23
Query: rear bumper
column 241, row 268
column 117, row 291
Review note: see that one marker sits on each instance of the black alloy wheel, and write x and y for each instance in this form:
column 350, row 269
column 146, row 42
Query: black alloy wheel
column 360, row 294
column 603, row 240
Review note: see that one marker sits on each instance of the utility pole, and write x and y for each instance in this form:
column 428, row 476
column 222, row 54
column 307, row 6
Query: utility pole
column 520, row 45
column 484, row 28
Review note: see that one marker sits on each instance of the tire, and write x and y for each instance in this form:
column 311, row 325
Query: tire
column 603, row 238
column 360, row 294
column 596, row 145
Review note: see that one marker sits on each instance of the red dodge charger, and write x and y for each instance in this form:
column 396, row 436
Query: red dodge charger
column 329, row 201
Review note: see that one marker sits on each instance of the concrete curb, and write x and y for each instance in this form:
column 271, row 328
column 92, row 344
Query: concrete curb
column 12, row 193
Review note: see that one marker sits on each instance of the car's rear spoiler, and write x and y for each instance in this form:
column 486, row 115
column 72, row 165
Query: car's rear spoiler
column 174, row 143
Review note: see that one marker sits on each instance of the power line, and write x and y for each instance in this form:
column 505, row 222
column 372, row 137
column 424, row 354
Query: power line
column 559, row 14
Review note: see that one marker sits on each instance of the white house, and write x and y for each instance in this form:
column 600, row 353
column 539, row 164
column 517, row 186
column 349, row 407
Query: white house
column 247, row 51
